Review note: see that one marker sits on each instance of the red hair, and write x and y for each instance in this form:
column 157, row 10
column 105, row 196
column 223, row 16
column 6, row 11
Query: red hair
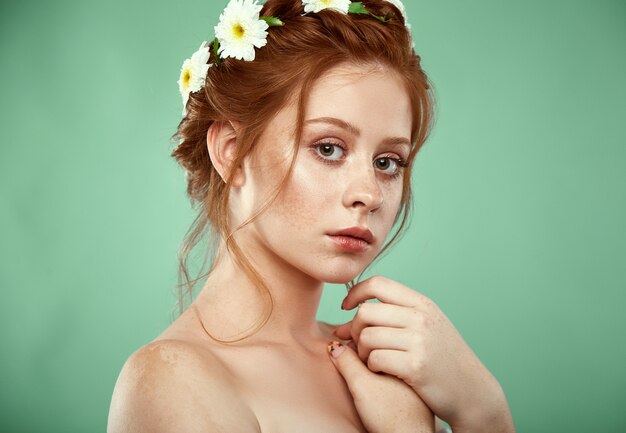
column 252, row 92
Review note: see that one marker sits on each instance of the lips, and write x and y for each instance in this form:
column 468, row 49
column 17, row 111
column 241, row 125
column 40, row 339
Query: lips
column 356, row 232
column 354, row 240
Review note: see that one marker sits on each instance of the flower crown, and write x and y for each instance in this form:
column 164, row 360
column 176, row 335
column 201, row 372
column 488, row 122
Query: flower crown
column 241, row 29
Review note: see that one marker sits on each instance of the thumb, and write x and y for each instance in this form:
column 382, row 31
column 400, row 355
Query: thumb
column 347, row 362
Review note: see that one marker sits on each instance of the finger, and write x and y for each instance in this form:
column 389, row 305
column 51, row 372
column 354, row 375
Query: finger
column 378, row 314
column 351, row 344
column 395, row 362
column 380, row 337
column 347, row 363
column 383, row 289
column 343, row 331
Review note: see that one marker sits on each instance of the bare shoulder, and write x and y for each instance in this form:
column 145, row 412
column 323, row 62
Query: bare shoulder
column 170, row 385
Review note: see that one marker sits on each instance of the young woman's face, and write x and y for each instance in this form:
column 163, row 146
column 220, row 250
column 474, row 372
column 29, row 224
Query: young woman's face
column 347, row 173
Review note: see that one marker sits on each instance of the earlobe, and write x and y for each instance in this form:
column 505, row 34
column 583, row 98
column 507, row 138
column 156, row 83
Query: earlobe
column 221, row 140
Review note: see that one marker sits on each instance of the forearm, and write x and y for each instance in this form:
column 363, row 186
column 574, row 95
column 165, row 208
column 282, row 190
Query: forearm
column 494, row 417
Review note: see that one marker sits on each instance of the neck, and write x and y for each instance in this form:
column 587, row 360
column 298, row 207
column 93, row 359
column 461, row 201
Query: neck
column 231, row 306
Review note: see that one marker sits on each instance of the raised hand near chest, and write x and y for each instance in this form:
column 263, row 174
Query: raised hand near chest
column 384, row 402
column 408, row 336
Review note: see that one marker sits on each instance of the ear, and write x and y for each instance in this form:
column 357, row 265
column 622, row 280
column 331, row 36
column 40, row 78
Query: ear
column 221, row 140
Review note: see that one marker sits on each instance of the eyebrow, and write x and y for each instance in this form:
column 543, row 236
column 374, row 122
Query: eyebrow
column 337, row 122
column 390, row 141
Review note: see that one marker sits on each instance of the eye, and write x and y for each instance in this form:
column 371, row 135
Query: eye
column 388, row 165
column 330, row 151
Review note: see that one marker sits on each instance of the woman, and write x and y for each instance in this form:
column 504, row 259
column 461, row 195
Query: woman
column 297, row 143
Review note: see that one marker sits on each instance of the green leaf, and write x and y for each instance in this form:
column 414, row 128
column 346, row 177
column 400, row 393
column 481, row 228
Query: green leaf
column 273, row 21
column 357, row 8
column 381, row 19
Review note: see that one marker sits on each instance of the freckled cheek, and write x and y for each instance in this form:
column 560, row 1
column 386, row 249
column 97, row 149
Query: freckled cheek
column 304, row 201
column 391, row 206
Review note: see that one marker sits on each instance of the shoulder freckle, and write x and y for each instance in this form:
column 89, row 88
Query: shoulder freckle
column 172, row 352
column 170, row 385
column 175, row 353
column 161, row 357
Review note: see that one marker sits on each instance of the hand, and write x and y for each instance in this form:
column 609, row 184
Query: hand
column 408, row 336
column 385, row 403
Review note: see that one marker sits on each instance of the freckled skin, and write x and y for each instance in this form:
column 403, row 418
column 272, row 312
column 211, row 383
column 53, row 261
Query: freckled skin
column 321, row 198
column 287, row 360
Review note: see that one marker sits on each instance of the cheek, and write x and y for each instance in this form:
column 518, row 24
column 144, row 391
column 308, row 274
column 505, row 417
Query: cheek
column 391, row 206
column 310, row 194
column 304, row 198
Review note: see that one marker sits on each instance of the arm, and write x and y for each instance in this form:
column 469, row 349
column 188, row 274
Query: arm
column 167, row 386
column 384, row 403
column 407, row 335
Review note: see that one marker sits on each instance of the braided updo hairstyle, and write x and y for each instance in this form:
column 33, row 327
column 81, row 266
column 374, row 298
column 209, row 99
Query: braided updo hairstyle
column 251, row 93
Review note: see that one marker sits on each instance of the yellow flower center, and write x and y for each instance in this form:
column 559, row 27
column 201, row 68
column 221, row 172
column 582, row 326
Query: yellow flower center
column 238, row 31
column 186, row 77
column 326, row 2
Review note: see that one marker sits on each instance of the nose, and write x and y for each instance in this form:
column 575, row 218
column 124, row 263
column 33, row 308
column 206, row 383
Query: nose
column 363, row 191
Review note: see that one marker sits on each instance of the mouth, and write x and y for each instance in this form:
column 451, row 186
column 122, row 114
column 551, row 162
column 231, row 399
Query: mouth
column 353, row 239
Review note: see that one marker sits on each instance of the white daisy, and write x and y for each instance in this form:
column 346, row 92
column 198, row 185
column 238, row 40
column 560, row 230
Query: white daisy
column 317, row 5
column 193, row 73
column 240, row 30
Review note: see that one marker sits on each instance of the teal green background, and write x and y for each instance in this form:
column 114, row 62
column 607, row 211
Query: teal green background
column 518, row 232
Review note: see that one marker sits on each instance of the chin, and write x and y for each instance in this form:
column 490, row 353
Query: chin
column 339, row 276
column 339, row 280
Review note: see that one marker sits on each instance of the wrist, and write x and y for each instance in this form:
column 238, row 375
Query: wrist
column 422, row 426
column 489, row 415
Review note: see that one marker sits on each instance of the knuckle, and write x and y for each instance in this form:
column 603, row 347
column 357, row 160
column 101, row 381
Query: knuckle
column 366, row 335
column 422, row 319
column 427, row 321
column 417, row 317
column 416, row 368
column 429, row 303
column 373, row 361
column 417, row 344
column 363, row 310
column 416, row 337
column 377, row 279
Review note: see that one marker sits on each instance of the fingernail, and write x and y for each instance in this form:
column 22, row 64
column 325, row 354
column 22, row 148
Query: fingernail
column 335, row 348
column 343, row 304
